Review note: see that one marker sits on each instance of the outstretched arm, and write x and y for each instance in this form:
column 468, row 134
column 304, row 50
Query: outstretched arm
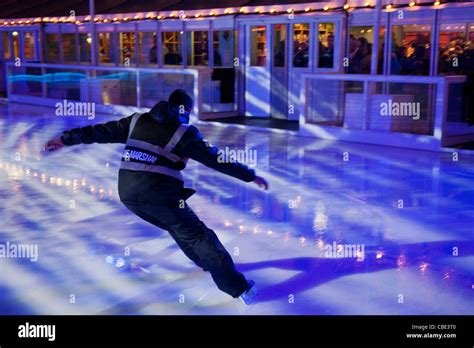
column 194, row 146
column 110, row 132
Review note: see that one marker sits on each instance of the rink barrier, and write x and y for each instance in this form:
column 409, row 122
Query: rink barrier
column 348, row 111
column 346, row 107
column 116, row 90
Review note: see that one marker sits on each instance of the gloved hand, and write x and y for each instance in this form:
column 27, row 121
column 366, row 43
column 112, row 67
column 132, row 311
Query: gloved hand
column 261, row 182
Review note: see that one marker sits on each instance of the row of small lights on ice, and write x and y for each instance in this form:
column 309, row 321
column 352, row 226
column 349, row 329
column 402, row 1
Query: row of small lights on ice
column 379, row 254
column 15, row 170
column 58, row 181
column 212, row 13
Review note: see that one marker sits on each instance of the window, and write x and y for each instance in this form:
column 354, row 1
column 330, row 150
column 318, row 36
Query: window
column 6, row 45
column 258, row 45
column 106, row 52
column 29, row 45
column 197, row 47
column 85, row 41
column 221, row 86
column 279, row 45
column 326, row 45
column 147, row 48
column 359, row 50
column 51, row 48
column 171, row 48
column 16, row 44
column 224, row 45
column 454, row 49
column 300, row 45
column 68, row 42
column 411, row 48
column 127, row 48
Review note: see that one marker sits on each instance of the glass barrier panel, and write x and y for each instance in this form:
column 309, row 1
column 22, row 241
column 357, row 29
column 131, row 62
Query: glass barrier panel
column 63, row 83
column 459, row 118
column 155, row 87
column 25, row 81
column 402, row 107
column 111, row 87
column 328, row 101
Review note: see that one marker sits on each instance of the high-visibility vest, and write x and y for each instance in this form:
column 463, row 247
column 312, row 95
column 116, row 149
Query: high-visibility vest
column 139, row 155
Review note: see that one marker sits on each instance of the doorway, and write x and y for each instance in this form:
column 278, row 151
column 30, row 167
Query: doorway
column 276, row 52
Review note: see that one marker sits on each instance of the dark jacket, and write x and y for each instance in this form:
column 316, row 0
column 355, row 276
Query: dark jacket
column 157, row 129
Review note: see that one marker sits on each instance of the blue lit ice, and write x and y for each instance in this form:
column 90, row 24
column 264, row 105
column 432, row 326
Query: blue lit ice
column 413, row 211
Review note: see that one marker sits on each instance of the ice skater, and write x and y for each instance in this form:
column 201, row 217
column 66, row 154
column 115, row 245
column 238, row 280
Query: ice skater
column 157, row 147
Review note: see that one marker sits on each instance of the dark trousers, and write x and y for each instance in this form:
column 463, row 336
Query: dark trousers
column 197, row 241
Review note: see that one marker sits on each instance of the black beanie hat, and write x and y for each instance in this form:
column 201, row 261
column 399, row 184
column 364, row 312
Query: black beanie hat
column 180, row 97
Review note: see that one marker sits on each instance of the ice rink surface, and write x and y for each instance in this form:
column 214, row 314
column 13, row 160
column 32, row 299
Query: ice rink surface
column 411, row 211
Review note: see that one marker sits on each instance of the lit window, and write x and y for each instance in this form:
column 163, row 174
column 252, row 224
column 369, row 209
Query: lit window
column 198, row 47
column 51, row 48
column 29, row 45
column 258, row 45
column 279, row 45
column 127, row 48
column 106, row 52
column 455, row 50
column 16, row 44
column 6, row 45
column 411, row 48
column 68, row 42
column 326, row 37
column 85, row 42
column 359, row 51
column 147, row 48
column 171, row 48
column 300, row 45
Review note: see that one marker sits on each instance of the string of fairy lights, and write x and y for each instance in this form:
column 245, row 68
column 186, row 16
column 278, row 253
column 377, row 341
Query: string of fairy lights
column 213, row 13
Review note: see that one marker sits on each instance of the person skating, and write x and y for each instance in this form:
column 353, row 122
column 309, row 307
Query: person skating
column 157, row 147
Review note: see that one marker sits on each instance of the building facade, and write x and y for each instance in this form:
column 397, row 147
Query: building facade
column 387, row 72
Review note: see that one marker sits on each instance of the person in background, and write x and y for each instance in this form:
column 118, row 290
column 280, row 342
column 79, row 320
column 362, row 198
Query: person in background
column 153, row 55
column 326, row 53
column 361, row 58
column 172, row 57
